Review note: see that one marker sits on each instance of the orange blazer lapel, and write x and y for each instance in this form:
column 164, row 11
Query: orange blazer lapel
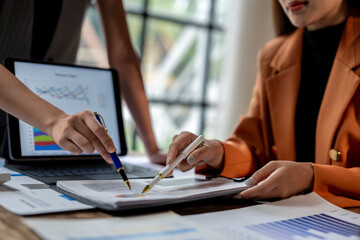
column 342, row 84
column 282, row 89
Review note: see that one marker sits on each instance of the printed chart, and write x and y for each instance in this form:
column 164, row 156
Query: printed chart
column 300, row 217
column 320, row 226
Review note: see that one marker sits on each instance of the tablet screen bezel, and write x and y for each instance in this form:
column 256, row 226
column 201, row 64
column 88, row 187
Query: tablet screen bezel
column 13, row 123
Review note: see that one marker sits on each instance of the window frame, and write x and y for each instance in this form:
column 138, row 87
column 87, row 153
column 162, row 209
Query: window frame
column 210, row 26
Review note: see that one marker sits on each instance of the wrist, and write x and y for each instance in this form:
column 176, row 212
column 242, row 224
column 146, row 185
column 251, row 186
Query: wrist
column 150, row 146
column 218, row 160
column 309, row 187
column 152, row 151
column 52, row 121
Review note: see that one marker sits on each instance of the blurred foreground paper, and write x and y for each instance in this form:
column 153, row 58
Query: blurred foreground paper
column 23, row 195
column 299, row 217
column 160, row 226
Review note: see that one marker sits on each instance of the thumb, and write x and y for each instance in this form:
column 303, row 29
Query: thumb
column 262, row 173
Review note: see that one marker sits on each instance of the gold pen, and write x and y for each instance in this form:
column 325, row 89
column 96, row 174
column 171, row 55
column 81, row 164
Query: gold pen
column 198, row 142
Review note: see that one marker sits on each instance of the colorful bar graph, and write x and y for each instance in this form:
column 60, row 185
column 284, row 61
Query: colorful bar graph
column 44, row 142
column 321, row 226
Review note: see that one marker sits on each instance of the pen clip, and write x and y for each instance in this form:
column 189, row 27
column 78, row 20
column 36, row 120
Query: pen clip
column 101, row 120
column 200, row 145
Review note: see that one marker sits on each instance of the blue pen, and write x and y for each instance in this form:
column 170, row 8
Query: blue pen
column 119, row 167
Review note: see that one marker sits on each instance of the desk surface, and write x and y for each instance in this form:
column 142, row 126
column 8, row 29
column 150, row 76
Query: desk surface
column 12, row 228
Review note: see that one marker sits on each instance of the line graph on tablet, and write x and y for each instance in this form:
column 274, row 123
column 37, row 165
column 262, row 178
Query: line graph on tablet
column 79, row 92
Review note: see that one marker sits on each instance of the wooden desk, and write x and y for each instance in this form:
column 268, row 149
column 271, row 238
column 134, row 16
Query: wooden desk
column 12, row 228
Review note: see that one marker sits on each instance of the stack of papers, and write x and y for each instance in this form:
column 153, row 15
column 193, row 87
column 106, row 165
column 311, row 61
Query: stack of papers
column 23, row 195
column 114, row 195
column 159, row 226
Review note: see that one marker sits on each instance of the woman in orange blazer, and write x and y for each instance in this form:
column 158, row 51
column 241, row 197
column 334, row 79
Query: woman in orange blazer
column 323, row 156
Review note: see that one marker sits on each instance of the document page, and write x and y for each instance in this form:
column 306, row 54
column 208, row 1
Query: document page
column 23, row 195
column 159, row 226
column 300, row 217
column 114, row 194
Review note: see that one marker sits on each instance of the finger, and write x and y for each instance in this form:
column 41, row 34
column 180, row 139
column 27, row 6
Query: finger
column 99, row 131
column 70, row 146
column 82, row 136
column 179, row 143
column 195, row 158
column 89, row 146
column 95, row 143
column 265, row 189
column 262, row 173
column 81, row 142
column 167, row 163
column 184, row 166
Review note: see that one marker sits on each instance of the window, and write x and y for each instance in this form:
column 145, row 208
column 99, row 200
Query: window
column 180, row 45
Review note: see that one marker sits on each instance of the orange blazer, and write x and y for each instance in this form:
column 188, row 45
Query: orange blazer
column 267, row 132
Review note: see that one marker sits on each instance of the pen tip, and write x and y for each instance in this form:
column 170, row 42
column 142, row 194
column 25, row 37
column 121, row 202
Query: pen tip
column 147, row 188
column 128, row 184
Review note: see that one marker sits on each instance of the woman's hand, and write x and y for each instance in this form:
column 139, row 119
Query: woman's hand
column 279, row 179
column 80, row 133
column 211, row 152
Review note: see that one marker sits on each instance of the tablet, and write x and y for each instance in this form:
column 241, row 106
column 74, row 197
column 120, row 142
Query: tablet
column 73, row 89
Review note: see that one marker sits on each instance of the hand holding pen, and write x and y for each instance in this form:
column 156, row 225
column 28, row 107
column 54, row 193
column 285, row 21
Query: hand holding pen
column 211, row 153
column 198, row 142
column 115, row 158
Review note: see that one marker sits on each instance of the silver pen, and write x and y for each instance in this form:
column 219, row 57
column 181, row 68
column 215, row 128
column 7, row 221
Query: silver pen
column 198, row 142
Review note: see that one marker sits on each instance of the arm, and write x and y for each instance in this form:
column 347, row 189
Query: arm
column 233, row 158
column 122, row 58
column 337, row 184
column 239, row 156
column 76, row 133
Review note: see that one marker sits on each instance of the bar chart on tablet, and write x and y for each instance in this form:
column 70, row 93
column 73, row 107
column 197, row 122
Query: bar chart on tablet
column 43, row 142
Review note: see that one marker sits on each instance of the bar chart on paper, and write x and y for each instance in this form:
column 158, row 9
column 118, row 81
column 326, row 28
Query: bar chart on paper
column 320, row 226
column 300, row 217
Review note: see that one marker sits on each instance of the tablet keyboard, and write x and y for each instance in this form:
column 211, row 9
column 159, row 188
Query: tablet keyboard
column 51, row 174
column 85, row 170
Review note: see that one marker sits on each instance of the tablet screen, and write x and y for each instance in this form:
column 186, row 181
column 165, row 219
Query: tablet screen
column 72, row 89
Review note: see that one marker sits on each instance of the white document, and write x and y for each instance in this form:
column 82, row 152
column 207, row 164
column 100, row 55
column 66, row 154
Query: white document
column 4, row 177
column 23, row 195
column 160, row 226
column 142, row 160
column 300, row 217
column 113, row 194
